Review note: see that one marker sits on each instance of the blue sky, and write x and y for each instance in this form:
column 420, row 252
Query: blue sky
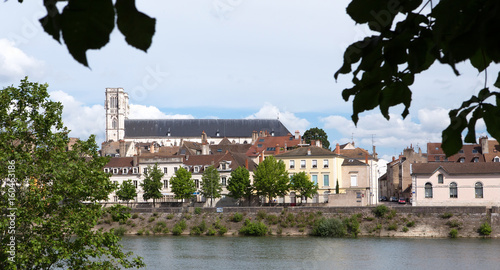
column 230, row 59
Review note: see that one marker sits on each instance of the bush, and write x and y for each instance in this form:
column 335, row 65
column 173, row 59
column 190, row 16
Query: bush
column 155, row 214
column 151, row 219
column 380, row 211
column 236, row 217
column 119, row 212
column 272, row 219
column 484, row 229
column 140, row 232
column 120, row 231
column 222, row 230
column 254, row 228
column 177, row 230
column 187, row 216
column 160, row 227
column 392, row 227
column 135, row 215
column 211, row 231
column 446, row 215
column 261, row 214
column 392, row 214
column 290, row 218
column 454, row 223
column 331, row 227
column 195, row 231
column 405, row 229
column 453, row 233
column 197, row 210
column 410, row 224
column 170, row 216
column 352, row 225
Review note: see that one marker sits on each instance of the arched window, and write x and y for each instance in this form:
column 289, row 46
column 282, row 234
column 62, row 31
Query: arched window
column 114, row 124
column 453, row 190
column 479, row 190
column 440, row 178
column 428, row 190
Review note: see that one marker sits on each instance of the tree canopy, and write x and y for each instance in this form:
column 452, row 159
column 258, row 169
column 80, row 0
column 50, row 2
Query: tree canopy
column 182, row 185
column 239, row 185
column 271, row 178
column 50, row 194
column 316, row 134
column 87, row 24
column 301, row 183
column 152, row 183
column 127, row 191
column 446, row 31
column 211, row 187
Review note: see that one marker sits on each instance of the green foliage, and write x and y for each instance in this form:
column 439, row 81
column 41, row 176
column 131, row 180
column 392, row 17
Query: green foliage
column 211, row 231
column 272, row 219
column 236, row 217
column 316, row 134
column 182, row 185
column 197, row 210
column 170, row 216
column 453, row 233
column 352, row 225
column 88, row 25
column 254, row 228
column 454, row 223
column 120, row 231
column 222, row 230
column 152, row 185
column 119, row 212
column 485, row 229
column 135, row 215
column 239, row 185
column 301, row 183
column 127, row 191
column 392, row 227
column 211, row 186
column 410, row 224
column 449, row 32
column 337, row 187
column 446, row 215
column 179, row 227
column 405, row 229
column 380, row 210
column 151, row 219
column 391, row 214
column 57, row 191
column 331, row 227
column 261, row 214
column 186, row 216
column 271, row 178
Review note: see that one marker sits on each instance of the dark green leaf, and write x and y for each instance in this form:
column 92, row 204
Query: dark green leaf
column 480, row 61
column 394, row 94
column 51, row 22
column 491, row 118
column 87, row 24
column 497, row 82
column 378, row 13
column 137, row 27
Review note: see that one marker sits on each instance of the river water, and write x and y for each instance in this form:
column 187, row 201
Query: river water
column 188, row 252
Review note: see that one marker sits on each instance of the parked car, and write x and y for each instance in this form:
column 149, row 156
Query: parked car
column 402, row 201
column 383, row 198
column 394, row 199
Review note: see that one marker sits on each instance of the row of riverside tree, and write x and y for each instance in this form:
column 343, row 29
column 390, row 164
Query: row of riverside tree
column 270, row 180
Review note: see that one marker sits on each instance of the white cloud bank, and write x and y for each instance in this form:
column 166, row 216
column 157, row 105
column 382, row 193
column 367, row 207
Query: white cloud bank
column 292, row 122
column 15, row 64
column 152, row 112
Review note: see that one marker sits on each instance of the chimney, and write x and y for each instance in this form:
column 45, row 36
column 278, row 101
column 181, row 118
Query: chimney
column 374, row 154
column 393, row 158
column 255, row 136
column 205, row 149
column 277, row 150
column 246, row 163
column 203, row 137
column 152, row 148
column 261, row 157
column 484, row 145
column 318, row 143
column 337, row 149
column 308, row 151
column 134, row 161
column 297, row 135
column 366, row 158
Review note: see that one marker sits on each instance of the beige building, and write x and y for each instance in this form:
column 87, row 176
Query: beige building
column 456, row 184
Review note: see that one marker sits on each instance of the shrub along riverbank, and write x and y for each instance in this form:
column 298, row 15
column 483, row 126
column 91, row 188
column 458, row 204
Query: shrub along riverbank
column 380, row 221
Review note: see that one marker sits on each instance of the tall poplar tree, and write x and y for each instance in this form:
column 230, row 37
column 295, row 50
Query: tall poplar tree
column 50, row 194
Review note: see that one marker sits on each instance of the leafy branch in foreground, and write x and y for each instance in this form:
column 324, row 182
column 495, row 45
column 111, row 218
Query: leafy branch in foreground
column 451, row 32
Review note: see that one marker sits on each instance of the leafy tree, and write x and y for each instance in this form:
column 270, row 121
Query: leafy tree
column 447, row 31
column 182, row 185
column 271, row 178
column 127, row 191
column 211, row 187
column 337, row 188
column 49, row 195
column 87, row 24
column 239, row 185
column 316, row 134
column 301, row 183
column 152, row 184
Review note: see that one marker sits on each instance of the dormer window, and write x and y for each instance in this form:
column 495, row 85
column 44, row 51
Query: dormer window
column 496, row 159
column 125, row 171
column 115, row 171
column 135, row 170
column 461, row 160
column 196, row 169
column 168, row 133
column 476, row 159
column 217, row 134
column 106, row 170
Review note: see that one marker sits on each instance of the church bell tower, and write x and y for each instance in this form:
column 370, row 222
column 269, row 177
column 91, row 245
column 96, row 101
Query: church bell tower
column 117, row 109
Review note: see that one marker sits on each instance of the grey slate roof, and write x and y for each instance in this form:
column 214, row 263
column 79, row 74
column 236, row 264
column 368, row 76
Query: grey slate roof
column 136, row 128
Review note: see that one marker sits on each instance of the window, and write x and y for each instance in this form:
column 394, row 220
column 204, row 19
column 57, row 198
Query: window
column 223, row 181
column 135, row 183
column 135, row 170
column 437, row 158
column 292, row 164
column 115, row 198
column 453, row 190
column 440, row 179
column 125, row 170
column 474, row 151
column 428, row 190
column 326, row 180
column 197, row 183
column 145, row 170
column 476, row 159
column 224, row 166
column 315, row 179
column 165, row 184
column 113, row 124
column 354, row 180
column 115, row 171
column 302, row 164
column 165, row 170
column 175, row 169
column 325, row 163
column 315, row 163
column 106, row 170
column 496, row 159
column 461, row 160
column 196, row 169
column 479, row 190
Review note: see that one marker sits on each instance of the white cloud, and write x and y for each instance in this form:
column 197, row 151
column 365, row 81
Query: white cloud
column 152, row 112
column 292, row 122
column 82, row 120
column 15, row 64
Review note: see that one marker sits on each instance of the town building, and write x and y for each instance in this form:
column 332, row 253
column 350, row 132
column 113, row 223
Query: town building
column 456, row 184
column 485, row 151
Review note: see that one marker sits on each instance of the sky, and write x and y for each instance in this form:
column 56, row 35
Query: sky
column 231, row 59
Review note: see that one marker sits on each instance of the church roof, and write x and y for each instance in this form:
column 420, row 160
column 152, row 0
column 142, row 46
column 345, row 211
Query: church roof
column 137, row 128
